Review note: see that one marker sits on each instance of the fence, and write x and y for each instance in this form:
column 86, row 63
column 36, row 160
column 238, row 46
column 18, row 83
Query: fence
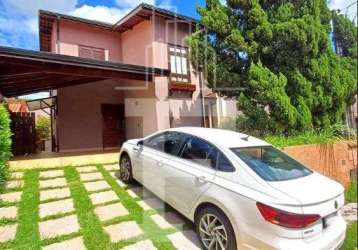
column 337, row 161
column 24, row 133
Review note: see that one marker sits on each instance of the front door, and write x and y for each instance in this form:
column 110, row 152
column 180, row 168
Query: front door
column 113, row 125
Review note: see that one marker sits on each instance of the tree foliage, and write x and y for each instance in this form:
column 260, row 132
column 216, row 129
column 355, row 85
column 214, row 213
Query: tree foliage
column 5, row 143
column 276, row 58
column 43, row 127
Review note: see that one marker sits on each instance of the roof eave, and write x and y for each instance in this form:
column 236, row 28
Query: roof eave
column 156, row 11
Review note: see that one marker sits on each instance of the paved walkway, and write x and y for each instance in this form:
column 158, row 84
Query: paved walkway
column 87, row 208
column 54, row 160
column 350, row 212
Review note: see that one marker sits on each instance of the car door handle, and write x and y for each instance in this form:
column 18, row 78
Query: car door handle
column 160, row 164
column 202, row 179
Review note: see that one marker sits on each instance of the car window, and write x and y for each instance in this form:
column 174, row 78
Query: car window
column 271, row 164
column 224, row 164
column 168, row 142
column 200, row 152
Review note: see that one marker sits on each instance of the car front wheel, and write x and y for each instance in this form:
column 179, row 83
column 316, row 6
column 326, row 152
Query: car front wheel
column 214, row 230
column 125, row 169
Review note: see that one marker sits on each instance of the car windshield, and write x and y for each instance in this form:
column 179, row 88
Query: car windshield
column 271, row 164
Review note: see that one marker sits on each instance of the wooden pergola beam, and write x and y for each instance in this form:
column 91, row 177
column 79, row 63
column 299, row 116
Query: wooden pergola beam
column 73, row 69
column 34, row 89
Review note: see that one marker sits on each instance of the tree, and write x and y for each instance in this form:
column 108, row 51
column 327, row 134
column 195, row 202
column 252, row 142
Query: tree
column 276, row 58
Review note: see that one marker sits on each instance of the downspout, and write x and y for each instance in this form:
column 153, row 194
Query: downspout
column 54, row 130
column 202, row 98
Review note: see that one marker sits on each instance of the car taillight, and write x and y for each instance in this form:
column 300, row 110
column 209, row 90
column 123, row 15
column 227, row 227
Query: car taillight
column 286, row 219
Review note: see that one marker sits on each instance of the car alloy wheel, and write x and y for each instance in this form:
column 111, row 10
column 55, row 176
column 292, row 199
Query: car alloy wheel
column 213, row 233
column 125, row 169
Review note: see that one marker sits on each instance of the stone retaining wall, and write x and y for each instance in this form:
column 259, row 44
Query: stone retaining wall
column 333, row 160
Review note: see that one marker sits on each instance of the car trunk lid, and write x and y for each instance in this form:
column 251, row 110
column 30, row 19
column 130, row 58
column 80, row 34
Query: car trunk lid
column 317, row 195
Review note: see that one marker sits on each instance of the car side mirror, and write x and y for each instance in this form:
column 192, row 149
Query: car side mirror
column 140, row 143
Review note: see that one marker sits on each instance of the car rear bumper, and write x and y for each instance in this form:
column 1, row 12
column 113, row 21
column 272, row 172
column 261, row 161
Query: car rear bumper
column 331, row 239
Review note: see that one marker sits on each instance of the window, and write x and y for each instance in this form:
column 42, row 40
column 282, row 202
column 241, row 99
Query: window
column 271, row 164
column 92, row 53
column 224, row 164
column 168, row 142
column 200, row 152
column 179, row 64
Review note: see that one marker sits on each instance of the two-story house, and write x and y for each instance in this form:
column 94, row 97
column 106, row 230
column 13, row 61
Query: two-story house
column 102, row 113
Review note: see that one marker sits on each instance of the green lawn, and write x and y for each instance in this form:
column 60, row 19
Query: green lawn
column 351, row 193
column 351, row 236
column 92, row 229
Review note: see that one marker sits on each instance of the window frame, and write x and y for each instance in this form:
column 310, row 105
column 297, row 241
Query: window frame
column 186, row 56
column 220, row 155
column 186, row 137
column 163, row 151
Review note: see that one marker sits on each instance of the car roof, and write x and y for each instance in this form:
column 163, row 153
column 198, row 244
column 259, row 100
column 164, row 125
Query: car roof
column 222, row 137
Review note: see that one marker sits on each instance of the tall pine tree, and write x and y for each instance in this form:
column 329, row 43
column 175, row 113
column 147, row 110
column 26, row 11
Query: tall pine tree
column 276, row 58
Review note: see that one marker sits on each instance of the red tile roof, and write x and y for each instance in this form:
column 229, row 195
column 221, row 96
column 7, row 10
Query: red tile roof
column 15, row 106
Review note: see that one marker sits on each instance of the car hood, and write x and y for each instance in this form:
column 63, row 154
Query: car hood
column 133, row 141
column 311, row 189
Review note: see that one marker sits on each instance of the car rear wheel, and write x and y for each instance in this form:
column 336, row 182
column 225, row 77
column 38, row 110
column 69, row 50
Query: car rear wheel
column 125, row 169
column 214, row 230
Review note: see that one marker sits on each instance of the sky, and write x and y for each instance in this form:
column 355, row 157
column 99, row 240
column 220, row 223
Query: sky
column 19, row 18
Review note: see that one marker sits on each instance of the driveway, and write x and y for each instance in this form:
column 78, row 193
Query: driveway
column 87, row 207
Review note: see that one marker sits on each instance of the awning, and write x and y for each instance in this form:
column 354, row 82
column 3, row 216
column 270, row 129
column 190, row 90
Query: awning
column 43, row 103
column 26, row 71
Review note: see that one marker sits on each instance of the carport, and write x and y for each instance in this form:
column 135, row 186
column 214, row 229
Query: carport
column 25, row 72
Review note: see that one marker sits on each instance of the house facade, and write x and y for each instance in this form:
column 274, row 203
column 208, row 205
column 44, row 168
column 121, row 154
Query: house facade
column 101, row 114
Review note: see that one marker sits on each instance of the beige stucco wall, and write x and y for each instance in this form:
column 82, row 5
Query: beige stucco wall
column 136, row 45
column 140, row 109
column 72, row 34
column 151, row 39
column 79, row 119
column 147, row 105
column 182, row 111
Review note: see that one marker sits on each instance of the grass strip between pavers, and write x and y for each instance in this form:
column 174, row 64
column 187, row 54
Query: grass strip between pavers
column 27, row 233
column 351, row 241
column 151, row 230
column 93, row 235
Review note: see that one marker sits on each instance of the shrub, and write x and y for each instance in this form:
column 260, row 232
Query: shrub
column 312, row 136
column 43, row 128
column 5, row 144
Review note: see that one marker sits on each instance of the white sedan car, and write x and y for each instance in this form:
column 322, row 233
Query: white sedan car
column 241, row 192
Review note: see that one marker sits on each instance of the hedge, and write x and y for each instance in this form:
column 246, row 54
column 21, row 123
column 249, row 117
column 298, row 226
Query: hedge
column 5, row 144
